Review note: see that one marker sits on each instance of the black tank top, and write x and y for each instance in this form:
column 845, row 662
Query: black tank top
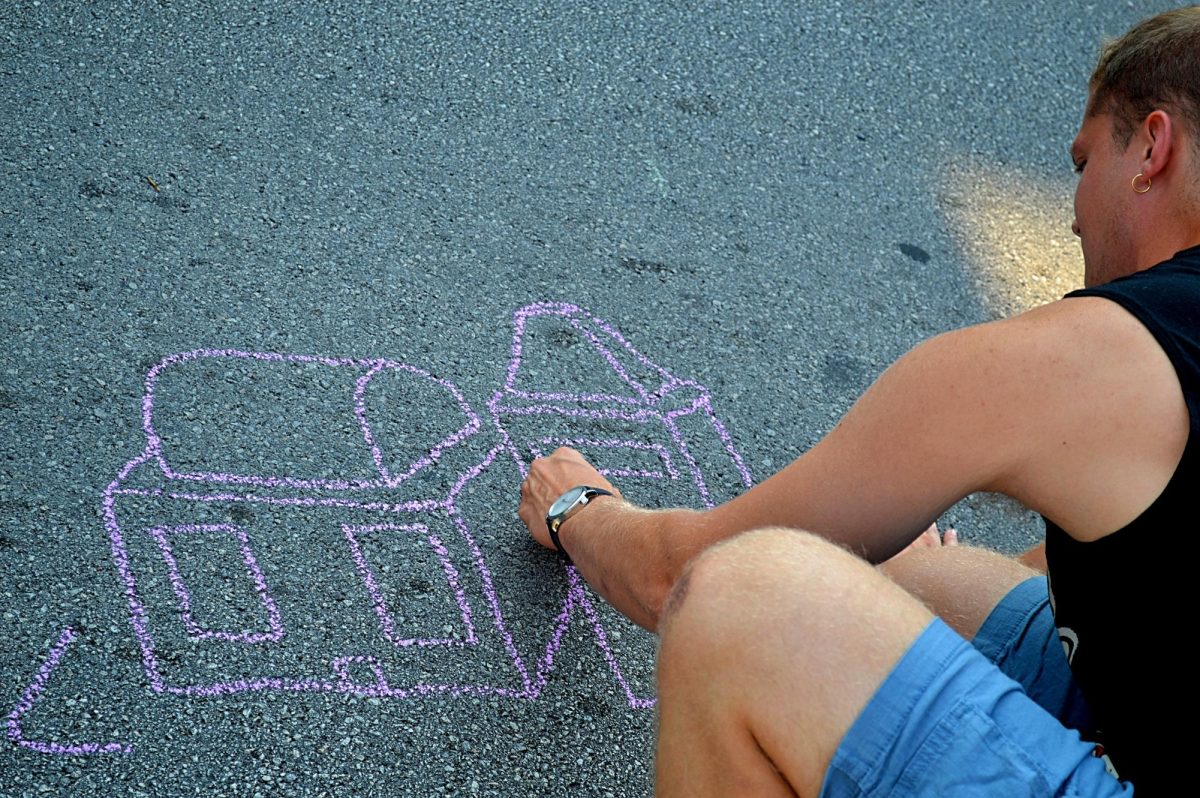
column 1121, row 602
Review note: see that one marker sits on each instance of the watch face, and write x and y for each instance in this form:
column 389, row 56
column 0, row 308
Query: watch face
column 565, row 501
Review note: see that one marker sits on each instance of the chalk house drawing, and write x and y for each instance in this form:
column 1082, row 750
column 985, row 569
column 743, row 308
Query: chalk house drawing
column 205, row 545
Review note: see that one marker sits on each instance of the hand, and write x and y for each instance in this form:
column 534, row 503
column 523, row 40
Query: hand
column 549, row 478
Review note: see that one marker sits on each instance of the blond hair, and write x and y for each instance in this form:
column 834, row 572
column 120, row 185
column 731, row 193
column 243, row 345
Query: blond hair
column 1155, row 65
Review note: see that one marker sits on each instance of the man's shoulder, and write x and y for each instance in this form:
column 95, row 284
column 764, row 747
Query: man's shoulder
column 1081, row 328
column 1045, row 361
column 1085, row 401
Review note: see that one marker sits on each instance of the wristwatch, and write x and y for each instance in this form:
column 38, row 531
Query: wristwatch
column 566, row 506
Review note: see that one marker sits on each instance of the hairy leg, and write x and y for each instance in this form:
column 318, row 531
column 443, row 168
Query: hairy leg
column 772, row 643
column 960, row 584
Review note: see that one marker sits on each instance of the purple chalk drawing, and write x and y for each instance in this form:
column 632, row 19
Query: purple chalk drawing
column 386, row 618
column 655, row 409
column 375, row 496
column 370, row 368
column 341, row 666
column 194, row 630
column 383, row 658
column 546, row 445
column 30, row 697
column 648, row 406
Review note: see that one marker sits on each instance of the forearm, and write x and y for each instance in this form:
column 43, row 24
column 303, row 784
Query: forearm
column 632, row 556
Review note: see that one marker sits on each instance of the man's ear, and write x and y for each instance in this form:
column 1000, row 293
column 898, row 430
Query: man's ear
column 1157, row 138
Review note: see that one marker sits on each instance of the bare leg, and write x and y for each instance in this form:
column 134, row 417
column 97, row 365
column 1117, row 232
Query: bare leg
column 772, row 643
column 1035, row 558
column 933, row 538
column 960, row 584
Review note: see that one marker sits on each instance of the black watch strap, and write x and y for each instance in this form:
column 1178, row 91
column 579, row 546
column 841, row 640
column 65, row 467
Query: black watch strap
column 588, row 495
column 558, row 543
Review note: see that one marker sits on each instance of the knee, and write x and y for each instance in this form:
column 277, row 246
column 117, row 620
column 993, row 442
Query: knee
column 776, row 606
column 719, row 566
column 739, row 590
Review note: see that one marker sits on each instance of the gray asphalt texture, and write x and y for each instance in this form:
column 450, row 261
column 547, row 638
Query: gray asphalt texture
column 753, row 194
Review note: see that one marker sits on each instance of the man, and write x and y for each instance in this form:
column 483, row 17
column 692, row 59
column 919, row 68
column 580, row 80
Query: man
column 788, row 665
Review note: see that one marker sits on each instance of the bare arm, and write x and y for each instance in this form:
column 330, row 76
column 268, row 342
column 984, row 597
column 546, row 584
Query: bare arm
column 630, row 555
column 1037, row 407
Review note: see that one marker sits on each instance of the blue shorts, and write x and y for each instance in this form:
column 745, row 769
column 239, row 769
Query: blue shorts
column 1000, row 717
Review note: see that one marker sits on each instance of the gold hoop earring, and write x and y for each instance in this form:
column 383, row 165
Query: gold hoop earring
column 1134, row 183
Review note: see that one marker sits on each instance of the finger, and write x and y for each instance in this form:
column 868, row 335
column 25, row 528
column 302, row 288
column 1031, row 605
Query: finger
column 950, row 538
column 527, row 516
column 567, row 451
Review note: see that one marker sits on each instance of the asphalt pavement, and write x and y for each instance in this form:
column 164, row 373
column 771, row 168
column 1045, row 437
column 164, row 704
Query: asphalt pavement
column 293, row 292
